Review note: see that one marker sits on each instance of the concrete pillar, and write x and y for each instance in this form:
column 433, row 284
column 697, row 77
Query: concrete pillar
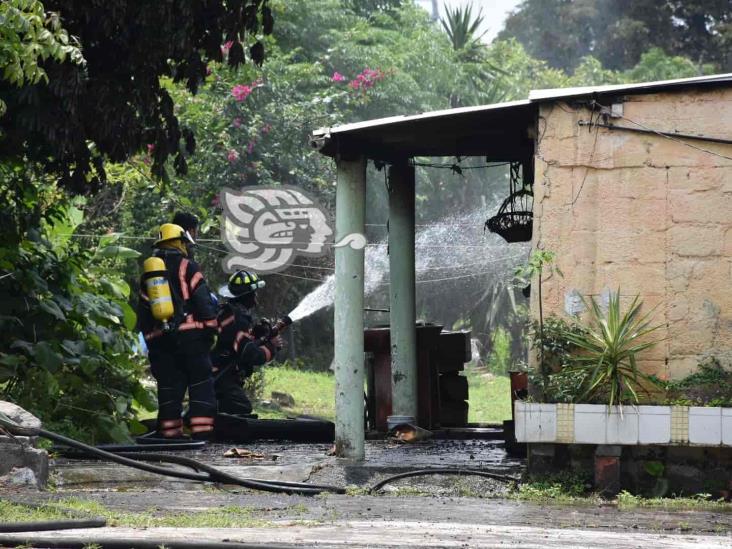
column 402, row 290
column 349, row 288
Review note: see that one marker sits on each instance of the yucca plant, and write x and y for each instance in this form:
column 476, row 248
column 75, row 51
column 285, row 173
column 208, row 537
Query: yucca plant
column 608, row 346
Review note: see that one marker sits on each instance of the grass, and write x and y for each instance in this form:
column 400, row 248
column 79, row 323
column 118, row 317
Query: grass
column 565, row 488
column 314, row 393
column 223, row 517
column 490, row 397
column 626, row 500
column 573, row 488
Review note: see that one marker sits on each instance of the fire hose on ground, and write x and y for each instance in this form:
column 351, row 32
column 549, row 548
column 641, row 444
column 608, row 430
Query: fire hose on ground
column 209, row 474
column 200, row 472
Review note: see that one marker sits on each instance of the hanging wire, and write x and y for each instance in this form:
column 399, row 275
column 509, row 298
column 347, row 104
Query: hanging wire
column 590, row 161
column 454, row 165
column 253, row 241
column 676, row 139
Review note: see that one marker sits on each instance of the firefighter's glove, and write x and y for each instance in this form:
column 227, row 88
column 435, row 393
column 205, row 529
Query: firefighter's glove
column 277, row 342
column 262, row 329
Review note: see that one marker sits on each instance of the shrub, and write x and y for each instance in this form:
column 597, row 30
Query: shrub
column 711, row 385
column 607, row 349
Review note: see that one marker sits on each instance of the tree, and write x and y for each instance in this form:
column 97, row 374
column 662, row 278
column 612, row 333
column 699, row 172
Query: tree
column 67, row 340
column 29, row 36
column 114, row 105
column 477, row 77
column 368, row 7
column 618, row 32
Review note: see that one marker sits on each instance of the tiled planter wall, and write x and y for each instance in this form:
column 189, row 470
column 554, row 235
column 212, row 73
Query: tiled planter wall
column 629, row 425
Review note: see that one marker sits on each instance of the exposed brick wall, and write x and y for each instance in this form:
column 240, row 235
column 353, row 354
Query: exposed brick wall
column 646, row 214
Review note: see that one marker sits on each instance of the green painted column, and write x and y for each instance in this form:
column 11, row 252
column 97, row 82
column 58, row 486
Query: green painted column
column 350, row 374
column 402, row 290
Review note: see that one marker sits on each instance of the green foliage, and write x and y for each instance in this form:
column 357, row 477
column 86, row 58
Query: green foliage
column 565, row 487
column 499, row 360
column 560, row 383
column 626, row 500
column 29, row 36
column 608, row 346
column 710, row 385
column 489, row 397
column 66, row 339
column 111, row 107
column 254, row 385
column 656, row 65
column 369, row 7
column 540, row 262
column 619, row 32
column 558, row 349
column 462, row 26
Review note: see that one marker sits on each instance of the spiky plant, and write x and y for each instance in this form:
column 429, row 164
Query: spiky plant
column 461, row 26
column 609, row 345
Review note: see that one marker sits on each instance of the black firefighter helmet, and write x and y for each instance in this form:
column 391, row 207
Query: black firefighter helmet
column 241, row 284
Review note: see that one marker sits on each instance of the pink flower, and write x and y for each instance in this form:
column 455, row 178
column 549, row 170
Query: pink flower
column 337, row 77
column 241, row 92
column 366, row 79
column 226, row 47
column 236, row 122
column 150, row 148
column 250, row 147
column 232, row 156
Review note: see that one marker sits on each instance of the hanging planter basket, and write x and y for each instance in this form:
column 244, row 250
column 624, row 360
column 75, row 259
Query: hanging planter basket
column 515, row 218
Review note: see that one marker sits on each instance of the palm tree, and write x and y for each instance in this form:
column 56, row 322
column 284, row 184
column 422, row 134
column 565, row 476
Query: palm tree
column 462, row 28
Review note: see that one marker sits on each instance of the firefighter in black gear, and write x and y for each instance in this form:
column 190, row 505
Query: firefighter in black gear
column 189, row 223
column 241, row 345
column 179, row 347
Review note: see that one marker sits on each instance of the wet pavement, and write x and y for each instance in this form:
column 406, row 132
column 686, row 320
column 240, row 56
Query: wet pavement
column 447, row 512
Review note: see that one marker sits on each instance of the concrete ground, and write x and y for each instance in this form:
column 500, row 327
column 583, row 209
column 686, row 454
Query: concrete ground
column 449, row 512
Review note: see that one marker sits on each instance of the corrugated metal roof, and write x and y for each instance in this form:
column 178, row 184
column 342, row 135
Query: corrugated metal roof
column 645, row 87
column 396, row 120
column 499, row 130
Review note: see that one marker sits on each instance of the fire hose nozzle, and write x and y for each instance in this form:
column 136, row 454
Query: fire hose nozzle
column 280, row 325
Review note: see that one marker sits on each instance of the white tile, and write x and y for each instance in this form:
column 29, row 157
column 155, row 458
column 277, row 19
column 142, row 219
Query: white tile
column 622, row 425
column 654, row 424
column 590, row 423
column 727, row 426
column 541, row 423
column 519, row 414
column 705, row 425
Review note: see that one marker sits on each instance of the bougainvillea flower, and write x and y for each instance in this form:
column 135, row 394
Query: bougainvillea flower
column 366, row 79
column 232, row 155
column 241, row 92
column 337, row 77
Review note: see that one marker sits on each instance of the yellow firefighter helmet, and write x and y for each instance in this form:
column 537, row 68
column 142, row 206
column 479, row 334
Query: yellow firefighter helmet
column 173, row 236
